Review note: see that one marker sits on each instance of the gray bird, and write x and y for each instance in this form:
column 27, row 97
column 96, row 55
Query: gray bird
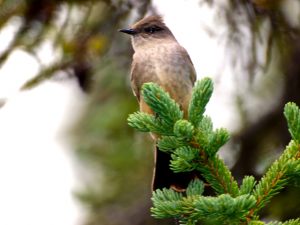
column 159, row 58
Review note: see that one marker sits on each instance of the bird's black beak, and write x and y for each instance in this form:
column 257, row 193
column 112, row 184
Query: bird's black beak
column 128, row 31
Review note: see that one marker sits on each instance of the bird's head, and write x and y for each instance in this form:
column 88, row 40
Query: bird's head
column 148, row 30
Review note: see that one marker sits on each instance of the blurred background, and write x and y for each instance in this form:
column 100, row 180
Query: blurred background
column 67, row 155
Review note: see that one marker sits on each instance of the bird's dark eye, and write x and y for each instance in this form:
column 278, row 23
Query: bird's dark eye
column 152, row 29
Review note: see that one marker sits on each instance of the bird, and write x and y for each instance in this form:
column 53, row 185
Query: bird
column 159, row 58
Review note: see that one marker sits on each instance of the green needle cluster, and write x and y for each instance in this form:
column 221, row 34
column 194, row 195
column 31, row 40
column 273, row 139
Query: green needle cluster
column 193, row 144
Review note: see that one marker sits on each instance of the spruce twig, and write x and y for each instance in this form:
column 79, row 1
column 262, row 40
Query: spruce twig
column 193, row 145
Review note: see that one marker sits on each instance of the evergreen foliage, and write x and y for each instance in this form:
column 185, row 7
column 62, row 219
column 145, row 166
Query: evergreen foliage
column 193, row 145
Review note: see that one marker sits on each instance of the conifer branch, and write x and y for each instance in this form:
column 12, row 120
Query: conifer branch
column 289, row 222
column 193, row 145
column 200, row 97
column 283, row 169
column 276, row 177
column 166, row 109
column 170, row 204
column 218, row 176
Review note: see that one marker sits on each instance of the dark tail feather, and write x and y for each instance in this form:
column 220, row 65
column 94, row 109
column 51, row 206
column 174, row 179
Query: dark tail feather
column 176, row 221
column 164, row 177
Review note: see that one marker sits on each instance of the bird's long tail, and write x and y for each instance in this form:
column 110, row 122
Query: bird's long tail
column 164, row 177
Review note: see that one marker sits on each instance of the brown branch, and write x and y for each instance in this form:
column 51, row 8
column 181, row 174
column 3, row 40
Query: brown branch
column 214, row 171
column 266, row 193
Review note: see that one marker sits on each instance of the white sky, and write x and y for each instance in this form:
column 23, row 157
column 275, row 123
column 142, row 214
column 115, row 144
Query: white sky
column 36, row 172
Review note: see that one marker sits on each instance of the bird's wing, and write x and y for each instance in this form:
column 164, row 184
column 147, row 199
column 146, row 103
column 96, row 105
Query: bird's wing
column 141, row 74
column 193, row 75
column 133, row 78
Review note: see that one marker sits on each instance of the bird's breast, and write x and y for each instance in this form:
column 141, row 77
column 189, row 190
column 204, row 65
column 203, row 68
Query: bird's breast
column 165, row 62
column 166, row 66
